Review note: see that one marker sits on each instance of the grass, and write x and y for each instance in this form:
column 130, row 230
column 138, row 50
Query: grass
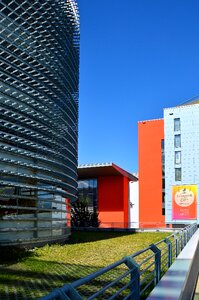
column 29, row 274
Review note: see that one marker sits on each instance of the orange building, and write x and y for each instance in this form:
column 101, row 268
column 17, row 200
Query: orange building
column 151, row 173
column 107, row 186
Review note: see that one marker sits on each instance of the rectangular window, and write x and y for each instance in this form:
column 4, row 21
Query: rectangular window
column 163, row 177
column 87, row 189
column 177, row 141
column 163, row 183
column 163, row 155
column 178, row 174
column 177, row 124
column 163, row 203
column 177, row 157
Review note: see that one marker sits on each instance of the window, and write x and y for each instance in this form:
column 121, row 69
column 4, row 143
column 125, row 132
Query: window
column 177, row 141
column 163, row 199
column 163, row 203
column 163, row 158
column 163, row 178
column 176, row 124
column 163, row 155
column 163, row 183
column 162, row 144
column 178, row 174
column 88, row 188
column 177, row 157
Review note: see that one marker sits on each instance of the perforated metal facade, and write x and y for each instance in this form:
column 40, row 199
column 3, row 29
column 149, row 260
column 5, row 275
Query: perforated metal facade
column 39, row 73
column 187, row 158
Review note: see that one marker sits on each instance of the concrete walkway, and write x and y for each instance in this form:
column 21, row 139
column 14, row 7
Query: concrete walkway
column 179, row 281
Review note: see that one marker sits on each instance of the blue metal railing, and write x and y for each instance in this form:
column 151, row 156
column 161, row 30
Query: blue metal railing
column 133, row 277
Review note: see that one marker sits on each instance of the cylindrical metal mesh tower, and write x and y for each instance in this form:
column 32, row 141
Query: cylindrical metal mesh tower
column 39, row 74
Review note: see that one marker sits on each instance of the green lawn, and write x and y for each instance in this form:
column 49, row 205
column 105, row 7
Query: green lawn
column 31, row 274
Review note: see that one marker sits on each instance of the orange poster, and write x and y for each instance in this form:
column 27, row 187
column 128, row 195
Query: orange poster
column 184, row 202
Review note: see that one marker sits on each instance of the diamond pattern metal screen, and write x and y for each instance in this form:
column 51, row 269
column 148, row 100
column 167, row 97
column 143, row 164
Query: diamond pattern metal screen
column 39, row 74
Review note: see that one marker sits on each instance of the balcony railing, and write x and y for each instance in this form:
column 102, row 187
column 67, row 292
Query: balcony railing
column 133, row 277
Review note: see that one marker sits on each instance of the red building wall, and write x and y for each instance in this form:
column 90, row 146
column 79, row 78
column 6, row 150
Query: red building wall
column 150, row 134
column 113, row 201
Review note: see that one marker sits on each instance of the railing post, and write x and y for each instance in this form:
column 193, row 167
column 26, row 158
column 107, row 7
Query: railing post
column 67, row 292
column 188, row 233
column 192, row 230
column 72, row 293
column 181, row 241
column 185, row 236
column 135, row 278
column 168, row 242
column 176, row 245
column 157, row 252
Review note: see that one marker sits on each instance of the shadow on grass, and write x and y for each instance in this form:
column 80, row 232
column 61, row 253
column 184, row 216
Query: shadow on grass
column 41, row 277
column 13, row 254
column 36, row 268
column 9, row 255
column 45, row 276
column 93, row 236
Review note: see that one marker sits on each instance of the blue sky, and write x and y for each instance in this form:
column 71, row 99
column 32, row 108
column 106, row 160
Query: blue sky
column 136, row 57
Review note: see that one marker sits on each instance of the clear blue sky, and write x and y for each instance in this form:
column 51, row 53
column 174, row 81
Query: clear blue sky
column 137, row 57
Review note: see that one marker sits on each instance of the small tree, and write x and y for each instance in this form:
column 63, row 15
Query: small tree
column 81, row 216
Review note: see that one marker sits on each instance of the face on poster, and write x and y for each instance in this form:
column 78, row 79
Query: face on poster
column 184, row 202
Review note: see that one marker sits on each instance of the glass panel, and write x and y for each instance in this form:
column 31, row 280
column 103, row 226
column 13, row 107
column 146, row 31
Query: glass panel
column 163, row 183
column 88, row 188
column 163, row 177
column 163, row 157
column 178, row 157
column 177, row 124
column 178, row 174
column 177, row 141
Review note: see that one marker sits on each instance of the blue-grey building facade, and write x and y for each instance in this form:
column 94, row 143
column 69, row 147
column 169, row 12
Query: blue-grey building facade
column 181, row 131
column 39, row 79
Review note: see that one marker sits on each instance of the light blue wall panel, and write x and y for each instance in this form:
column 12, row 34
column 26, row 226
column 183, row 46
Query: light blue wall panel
column 189, row 131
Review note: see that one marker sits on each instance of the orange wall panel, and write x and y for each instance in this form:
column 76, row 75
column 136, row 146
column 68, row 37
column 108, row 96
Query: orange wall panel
column 113, row 219
column 110, row 193
column 150, row 134
column 113, row 199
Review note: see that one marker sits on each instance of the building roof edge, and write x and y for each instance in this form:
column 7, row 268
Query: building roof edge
column 152, row 120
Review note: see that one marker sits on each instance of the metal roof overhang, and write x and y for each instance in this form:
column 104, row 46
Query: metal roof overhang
column 94, row 171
